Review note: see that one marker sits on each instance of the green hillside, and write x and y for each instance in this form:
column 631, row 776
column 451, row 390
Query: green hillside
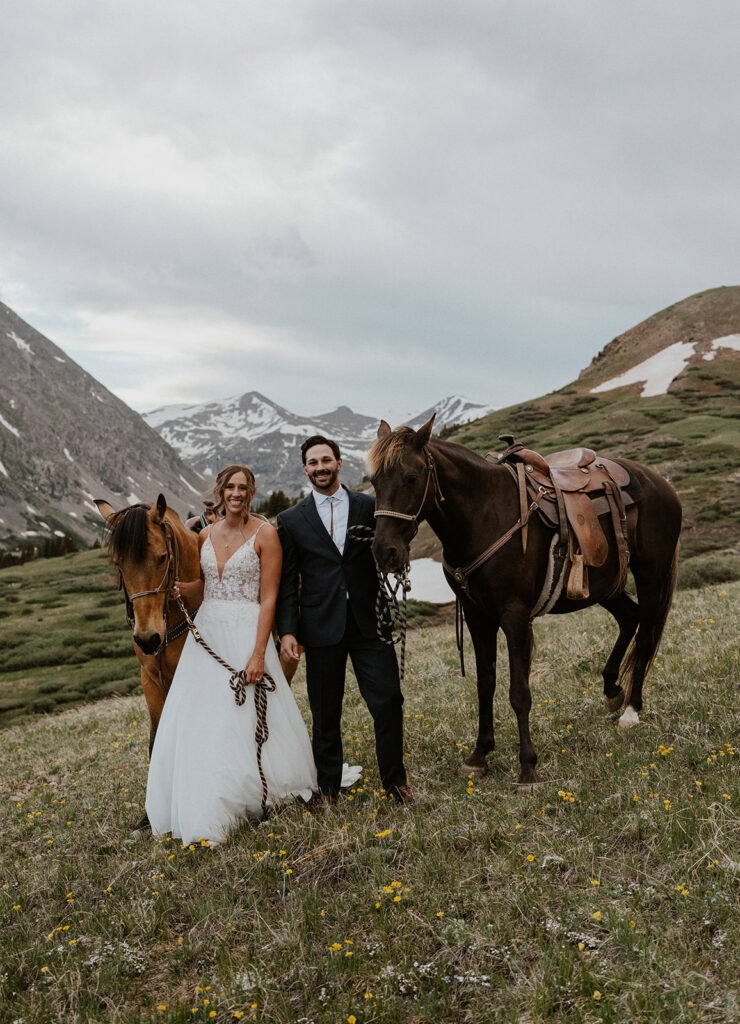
column 691, row 435
column 64, row 638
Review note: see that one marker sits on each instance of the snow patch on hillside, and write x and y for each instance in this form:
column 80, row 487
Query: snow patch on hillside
column 728, row 341
column 189, row 486
column 4, row 471
column 655, row 373
column 22, row 345
column 9, row 426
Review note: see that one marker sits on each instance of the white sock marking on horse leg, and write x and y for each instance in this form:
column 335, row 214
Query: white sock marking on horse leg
column 629, row 718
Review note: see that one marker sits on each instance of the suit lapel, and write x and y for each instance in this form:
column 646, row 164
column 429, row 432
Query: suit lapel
column 311, row 514
column 353, row 519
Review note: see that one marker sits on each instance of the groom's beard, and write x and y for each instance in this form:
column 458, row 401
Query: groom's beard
column 324, row 479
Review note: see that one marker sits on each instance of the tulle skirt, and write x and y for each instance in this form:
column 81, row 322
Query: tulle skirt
column 203, row 777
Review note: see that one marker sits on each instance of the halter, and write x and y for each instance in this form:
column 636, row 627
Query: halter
column 389, row 612
column 173, row 559
column 438, row 496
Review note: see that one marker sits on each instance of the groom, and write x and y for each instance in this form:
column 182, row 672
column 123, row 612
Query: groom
column 327, row 601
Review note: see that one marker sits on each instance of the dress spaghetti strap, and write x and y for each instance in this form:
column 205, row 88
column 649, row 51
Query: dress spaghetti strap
column 258, row 530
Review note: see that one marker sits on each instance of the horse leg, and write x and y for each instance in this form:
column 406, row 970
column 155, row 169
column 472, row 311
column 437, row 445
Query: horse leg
column 518, row 631
column 655, row 585
column 154, row 696
column 483, row 633
column 627, row 614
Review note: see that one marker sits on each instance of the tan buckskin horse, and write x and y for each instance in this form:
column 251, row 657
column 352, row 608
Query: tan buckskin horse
column 150, row 547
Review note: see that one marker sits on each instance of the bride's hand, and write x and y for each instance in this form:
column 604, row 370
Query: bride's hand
column 184, row 589
column 255, row 668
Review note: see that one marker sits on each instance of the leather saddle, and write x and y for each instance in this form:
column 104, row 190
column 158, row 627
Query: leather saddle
column 575, row 488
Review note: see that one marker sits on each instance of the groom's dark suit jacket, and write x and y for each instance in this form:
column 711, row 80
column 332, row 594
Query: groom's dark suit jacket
column 316, row 578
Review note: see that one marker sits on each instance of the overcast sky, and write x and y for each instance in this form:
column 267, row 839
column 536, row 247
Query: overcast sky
column 365, row 202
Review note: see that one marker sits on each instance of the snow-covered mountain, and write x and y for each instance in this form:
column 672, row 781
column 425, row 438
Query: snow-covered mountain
column 64, row 439
column 253, row 429
column 451, row 412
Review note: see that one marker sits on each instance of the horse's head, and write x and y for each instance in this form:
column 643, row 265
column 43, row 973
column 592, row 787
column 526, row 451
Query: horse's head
column 401, row 472
column 143, row 553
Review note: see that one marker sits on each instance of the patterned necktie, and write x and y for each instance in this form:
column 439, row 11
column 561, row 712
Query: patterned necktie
column 331, row 522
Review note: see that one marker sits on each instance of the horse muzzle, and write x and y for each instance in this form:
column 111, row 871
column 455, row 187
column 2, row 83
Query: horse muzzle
column 390, row 557
column 148, row 643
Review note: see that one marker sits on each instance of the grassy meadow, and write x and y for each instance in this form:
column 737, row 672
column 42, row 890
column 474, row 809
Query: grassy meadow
column 63, row 635
column 609, row 893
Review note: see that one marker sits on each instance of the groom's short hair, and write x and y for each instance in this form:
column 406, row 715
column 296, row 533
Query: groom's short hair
column 319, row 439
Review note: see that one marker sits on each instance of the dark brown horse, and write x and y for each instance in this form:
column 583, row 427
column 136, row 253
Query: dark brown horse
column 470, row 503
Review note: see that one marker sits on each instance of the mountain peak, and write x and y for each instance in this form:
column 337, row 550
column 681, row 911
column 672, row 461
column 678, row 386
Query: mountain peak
column 65, row 439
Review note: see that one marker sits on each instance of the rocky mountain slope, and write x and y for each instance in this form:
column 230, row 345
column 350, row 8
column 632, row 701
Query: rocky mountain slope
column 253, row 429
column 65, row 439
column 666, row 393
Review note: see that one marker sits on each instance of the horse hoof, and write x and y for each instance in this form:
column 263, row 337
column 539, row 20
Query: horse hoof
column 472, row 769
column 614, row 703
column 528, row 784
column 629, row 718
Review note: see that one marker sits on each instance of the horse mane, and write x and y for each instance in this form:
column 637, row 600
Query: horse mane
column 387, row 451
column 128, row 533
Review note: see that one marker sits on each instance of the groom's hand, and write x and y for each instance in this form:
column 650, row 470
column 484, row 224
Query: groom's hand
column 289, row 648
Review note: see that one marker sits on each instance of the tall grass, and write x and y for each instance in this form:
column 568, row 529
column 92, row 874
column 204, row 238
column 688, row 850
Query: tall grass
column 610, row 893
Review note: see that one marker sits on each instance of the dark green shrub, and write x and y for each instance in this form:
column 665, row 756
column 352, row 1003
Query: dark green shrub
column 700, row 572
column 42, row 705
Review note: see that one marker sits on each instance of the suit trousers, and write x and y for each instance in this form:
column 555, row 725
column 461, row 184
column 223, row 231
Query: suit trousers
column 376, row 669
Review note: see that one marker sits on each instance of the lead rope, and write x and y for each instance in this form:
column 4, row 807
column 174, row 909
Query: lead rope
column 239, row 684
column 390, row 614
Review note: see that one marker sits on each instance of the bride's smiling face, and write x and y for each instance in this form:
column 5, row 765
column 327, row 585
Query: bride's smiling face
column 236, row 493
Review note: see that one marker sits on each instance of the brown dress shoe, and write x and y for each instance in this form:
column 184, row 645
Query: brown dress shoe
column 402, row 794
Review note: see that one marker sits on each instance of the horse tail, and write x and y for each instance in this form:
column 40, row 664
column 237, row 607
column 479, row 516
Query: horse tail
column 649, row 633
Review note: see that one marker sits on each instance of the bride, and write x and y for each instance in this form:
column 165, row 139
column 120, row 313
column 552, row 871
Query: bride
column 203, row 777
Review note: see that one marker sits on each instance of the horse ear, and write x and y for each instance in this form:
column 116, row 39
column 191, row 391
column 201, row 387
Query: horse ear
column 160, row 509
column 384, row 429
column 424, row 433
column 104, row 508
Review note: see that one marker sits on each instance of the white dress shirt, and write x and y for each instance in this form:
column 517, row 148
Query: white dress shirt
column 340, row 502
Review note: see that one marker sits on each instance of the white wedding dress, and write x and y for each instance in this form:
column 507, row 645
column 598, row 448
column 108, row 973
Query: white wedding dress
column 203, row 777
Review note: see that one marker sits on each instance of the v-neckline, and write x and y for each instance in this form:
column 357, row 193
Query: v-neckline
column 215, row 556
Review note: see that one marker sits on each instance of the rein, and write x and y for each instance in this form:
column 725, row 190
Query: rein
column 390, row 614
column 239, row 684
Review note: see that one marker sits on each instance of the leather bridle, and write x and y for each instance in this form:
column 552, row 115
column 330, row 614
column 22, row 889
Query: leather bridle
column 171, row 571
column 432, row 478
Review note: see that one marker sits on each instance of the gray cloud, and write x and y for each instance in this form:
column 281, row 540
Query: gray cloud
column 370, row 203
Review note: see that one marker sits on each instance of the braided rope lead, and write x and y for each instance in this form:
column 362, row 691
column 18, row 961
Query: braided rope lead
column 238, row 683
column 391, row 616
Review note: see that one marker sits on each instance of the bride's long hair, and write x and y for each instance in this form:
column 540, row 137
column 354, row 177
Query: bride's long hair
column 224, row 475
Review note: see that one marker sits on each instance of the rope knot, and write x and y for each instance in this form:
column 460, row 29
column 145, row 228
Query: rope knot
column 238, row 683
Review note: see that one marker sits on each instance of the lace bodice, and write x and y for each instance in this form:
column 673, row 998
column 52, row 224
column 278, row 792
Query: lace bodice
column 241, row 576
